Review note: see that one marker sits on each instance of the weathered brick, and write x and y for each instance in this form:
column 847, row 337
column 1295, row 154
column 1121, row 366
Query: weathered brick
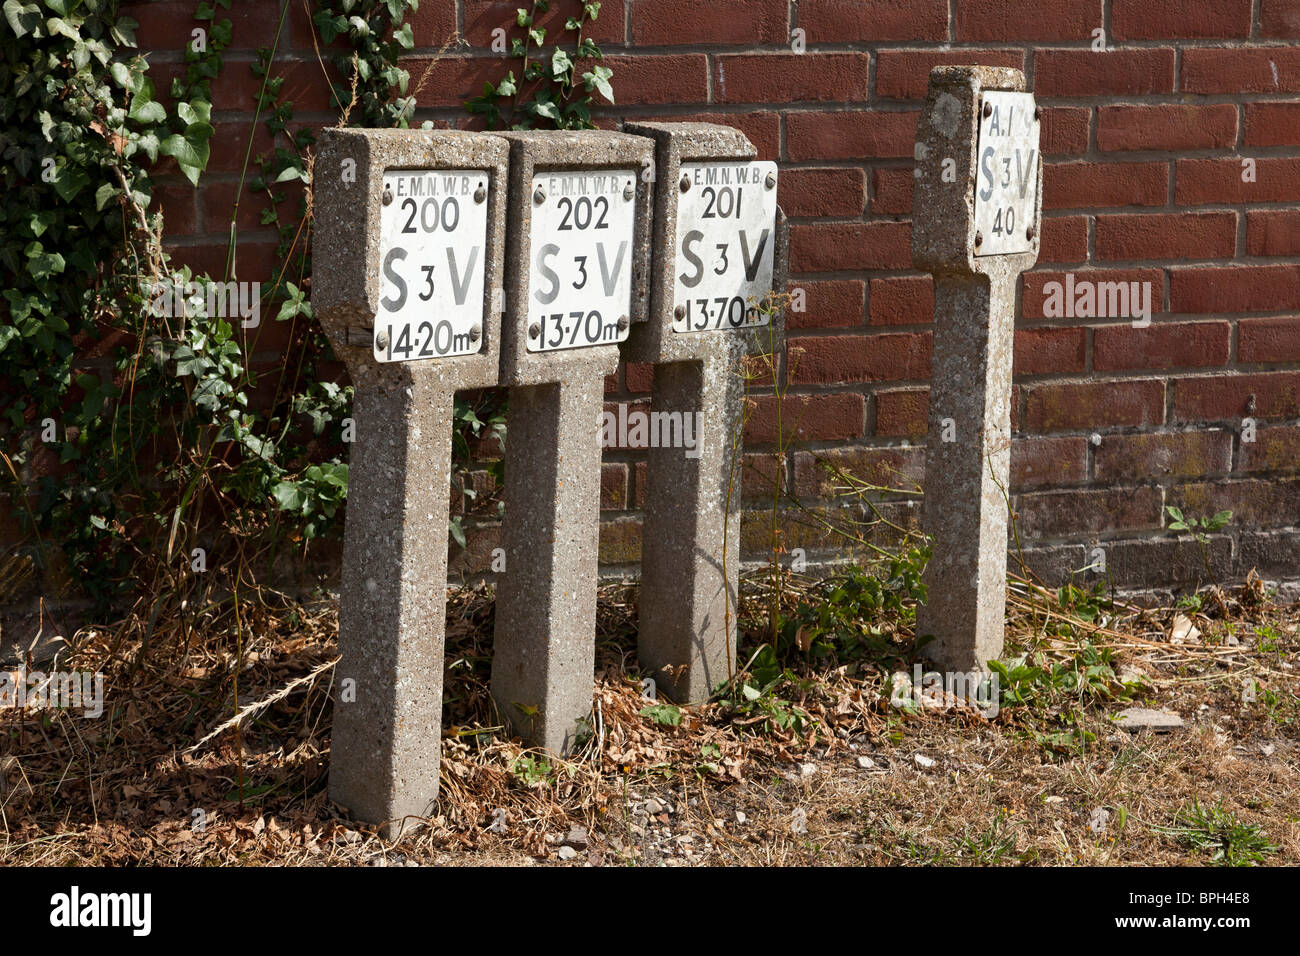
column 1181, row 235
column 1088, row 405
column 854, row 134
column 613, row 486
column 673, row 78
column 1051, row 514
column 1269, row 340
column 830, row 303
column 823, row 191
column 1272, row 124
column 1276, row 448
column 1227, row 397
column 844, row 21
column 1273, row 232
column 1163, row 345
column 1253, row 503
column 1064, row 130
column 689, row 22
column 891, row 190
column 1042, row 351
column 838, row 359
column 1199, row 181
column 1065, row 239
column 1082, row 72
column 833, row 246
column 1106, row 302
column 1080, row 185
column 1241, row 70
column 1181, row 19
column 905, row 74
column 999, row 20
column 1040, row 462
column 1167, row 127
column 902, row 412
column 1279, row 18
column 1161, row 455
column 904, row 300
column 900, row 469
column 484, row 16
column 806, row 417
column 789, row 77
column 1204, row 289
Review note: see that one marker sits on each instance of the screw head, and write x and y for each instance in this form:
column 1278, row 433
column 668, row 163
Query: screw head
column 480, row 194
column 388, row 195
column 679, row 312
column 628, row 192
column 988, row 109
column 770, row 182
column 686, row 183
column 475, row 332
column 534, row 330
column 381, row 340
column 1029, row 233
column 539, row 195
column 1038, row 112
column 622, row 323
column 979, row 238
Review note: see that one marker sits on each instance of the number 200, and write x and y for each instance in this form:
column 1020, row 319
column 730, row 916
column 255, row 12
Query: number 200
column 433, row 214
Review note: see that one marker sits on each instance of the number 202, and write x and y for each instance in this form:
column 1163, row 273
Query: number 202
column 581, row 212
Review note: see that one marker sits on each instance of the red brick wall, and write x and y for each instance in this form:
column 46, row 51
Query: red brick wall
column 1144, row 146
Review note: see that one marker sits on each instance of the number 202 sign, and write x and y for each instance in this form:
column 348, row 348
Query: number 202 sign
column 726, row 236
column 580, row 273
column 432, row 254
column 1006, row 188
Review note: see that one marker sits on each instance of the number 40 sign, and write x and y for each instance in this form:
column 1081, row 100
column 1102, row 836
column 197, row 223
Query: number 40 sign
column 1006, row 186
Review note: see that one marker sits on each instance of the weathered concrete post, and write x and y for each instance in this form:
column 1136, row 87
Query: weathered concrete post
column 975, row 226
column 720, row 247
column 577, row 252
column 408, row 247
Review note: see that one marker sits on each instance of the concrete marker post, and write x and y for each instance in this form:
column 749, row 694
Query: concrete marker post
column 691, row 531
column 978, row 165
column 388, row 707
column 572, row 256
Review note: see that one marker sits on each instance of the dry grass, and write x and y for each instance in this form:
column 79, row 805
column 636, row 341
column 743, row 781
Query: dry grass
column 936, row 787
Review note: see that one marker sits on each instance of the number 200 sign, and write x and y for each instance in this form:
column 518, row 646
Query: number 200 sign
column 1006, row 186
column 432, row 255
column 726, row 236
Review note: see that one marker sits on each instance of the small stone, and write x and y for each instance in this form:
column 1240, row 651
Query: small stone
column 1143, row 718
column 1053, row 799
column 807, row 769
column 740, row 816
column 866, row 763
column 922, row 761
column 653, row 807
column 567, row 853
column 577, row 837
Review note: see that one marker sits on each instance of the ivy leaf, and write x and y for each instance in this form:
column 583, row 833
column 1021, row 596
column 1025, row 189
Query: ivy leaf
column 521, row 16
column 288, row 496
column 592, row 10
column 42, row 264
column 507, row 86
column 103, row 194
column 144, row 108
column 598, row 79
column 561, row 66
column 537, row 36
column 404, row 37
column 23, row 18
column 72, row 180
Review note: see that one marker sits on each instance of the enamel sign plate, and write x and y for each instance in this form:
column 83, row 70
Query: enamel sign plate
column 1006, row 185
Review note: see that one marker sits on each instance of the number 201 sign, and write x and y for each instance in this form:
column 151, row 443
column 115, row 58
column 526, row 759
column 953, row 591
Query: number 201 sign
column 1006, row 186
column 726, row 236
column 432, row 260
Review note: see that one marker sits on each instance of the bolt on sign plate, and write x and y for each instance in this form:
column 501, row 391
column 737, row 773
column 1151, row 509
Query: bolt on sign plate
column 433, row 256
column 726, row 237
column 580, row 258
column 1006, row 185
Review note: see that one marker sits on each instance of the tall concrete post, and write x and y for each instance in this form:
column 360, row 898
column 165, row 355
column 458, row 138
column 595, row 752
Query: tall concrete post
column 408, row 247
column 577, row 251
column 721, row 245
column 975, row 226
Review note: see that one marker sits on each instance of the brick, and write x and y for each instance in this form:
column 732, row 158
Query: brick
column 1212, row 289
column 1038, row 462
column 762, row 127
column 904, row 300
column 1276, row 448
column 903, row 412
column 1200, row 181
column 1241, row 70
column 640, row 377
column 1064, row 130
column 1042, row 351
column 761, row 478
column 1181, row 19
column 1280, row 18
column 1037, row 20
column 1084, row 184
column 789, row 77
column 1163, row 345
column 1253, row 503
column 807, row 418
column 451, row 79
column 839, row 359
column 855, row 134
column 1182, row 235
column 1082, row 72
column 832, row 303
column 484, row 16
column 168, row 25
column 613, row 486
column 1269, row 340
column 675, row 78
column 891, row 190
column 1166, row 127
column 1222, row 397
column 218, row 202
column 620, row 542
column 434, row 24
column 824, row 191
column 905, row 74
column 851, row 21
column 1089, row 405
column 254, row 260
column 1272, row 124
column 178, row 207
column 900, row 469
column 683, row 22
column 830, row 247
column 1065, row 239
column 1163, row 455
column 1050, row 514
column 1035, row 295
